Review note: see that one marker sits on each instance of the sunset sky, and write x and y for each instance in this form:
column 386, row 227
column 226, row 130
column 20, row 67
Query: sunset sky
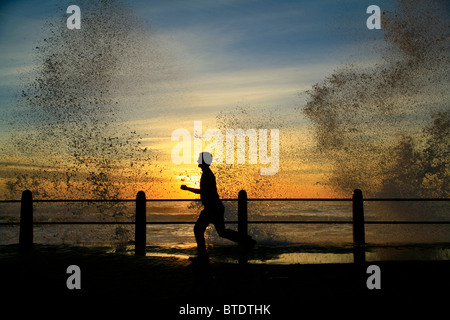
column 225, row 63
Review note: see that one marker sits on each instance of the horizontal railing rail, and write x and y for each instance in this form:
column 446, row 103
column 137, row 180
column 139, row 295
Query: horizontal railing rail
column 230, row 199
column 26, row 217
column 226, row 222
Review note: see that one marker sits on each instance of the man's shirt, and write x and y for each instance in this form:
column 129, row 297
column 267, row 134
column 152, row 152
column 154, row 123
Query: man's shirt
column 208, row 188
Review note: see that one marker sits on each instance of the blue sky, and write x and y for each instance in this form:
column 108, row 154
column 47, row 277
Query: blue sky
column 210, row 38
column 257, row 54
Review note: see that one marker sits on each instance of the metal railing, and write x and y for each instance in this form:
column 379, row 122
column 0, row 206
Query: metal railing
column 26, row 217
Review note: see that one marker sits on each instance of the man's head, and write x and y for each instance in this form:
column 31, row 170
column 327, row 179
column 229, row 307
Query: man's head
column 204, row 159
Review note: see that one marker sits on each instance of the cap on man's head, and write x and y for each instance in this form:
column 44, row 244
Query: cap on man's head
column 205, row 157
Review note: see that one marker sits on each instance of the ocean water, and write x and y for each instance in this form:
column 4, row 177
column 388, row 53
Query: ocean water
column 277, row 243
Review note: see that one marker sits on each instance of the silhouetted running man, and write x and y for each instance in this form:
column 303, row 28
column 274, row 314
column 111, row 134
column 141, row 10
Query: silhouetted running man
column 213, row 210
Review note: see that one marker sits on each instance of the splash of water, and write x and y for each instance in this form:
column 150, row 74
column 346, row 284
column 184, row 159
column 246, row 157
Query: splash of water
column 72, row 135
column 385, row 128
column 232, row 178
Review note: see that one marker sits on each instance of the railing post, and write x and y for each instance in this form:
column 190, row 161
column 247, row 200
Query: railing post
column 358, row 226
column 26, row 221
column 141, row 224
column 242, row 215
column 242, row 225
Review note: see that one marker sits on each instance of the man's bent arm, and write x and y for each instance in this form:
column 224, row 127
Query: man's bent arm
column 197, row 191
